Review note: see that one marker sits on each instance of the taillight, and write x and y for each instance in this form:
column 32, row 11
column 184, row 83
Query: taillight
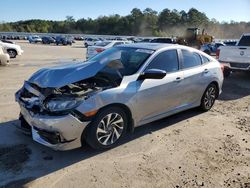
column 222, row 67
column 217, row 53
column 98, row 50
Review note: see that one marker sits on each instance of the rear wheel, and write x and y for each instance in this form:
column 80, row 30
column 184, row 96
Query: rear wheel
column 107, row 129
column 209, row 97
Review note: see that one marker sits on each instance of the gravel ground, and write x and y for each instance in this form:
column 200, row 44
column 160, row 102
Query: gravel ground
column 190, row 149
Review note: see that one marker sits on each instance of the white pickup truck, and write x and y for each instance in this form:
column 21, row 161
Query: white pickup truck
column 235, row 58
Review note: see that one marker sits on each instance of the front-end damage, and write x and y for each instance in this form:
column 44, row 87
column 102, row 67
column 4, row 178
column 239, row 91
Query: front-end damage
column 50, row 114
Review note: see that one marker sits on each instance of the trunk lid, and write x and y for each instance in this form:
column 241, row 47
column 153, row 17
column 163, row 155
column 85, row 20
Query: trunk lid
column 235, row 54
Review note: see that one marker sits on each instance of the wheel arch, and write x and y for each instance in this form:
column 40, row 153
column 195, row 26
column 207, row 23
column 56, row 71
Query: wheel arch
column 130, row 127
column 12, row 49
column 217, row 87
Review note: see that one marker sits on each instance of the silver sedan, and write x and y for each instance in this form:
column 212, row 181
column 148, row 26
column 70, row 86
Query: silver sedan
column 102, row 99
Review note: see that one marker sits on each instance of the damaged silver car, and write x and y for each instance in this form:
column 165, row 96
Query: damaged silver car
column 100, row 100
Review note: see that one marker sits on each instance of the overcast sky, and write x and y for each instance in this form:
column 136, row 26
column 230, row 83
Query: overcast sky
column 221, row 10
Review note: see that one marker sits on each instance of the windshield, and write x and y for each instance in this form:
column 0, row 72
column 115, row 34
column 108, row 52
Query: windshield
column 131, row 58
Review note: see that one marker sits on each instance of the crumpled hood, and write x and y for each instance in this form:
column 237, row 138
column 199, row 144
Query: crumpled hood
column 59, row 76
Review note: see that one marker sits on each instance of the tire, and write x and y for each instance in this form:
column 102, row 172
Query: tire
column 86, row 45
column 227, row 72
column 12, row 53
column 102, row 135
column 209, row 97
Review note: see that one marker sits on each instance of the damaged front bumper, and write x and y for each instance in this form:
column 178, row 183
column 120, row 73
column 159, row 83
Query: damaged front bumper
column 59, row 132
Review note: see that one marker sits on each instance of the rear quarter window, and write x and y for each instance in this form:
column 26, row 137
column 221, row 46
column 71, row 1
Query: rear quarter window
column 205, row 59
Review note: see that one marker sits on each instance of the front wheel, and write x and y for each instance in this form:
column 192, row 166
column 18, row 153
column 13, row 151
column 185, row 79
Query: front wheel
column 12, row 53
column 209, row 97
column 107, row 128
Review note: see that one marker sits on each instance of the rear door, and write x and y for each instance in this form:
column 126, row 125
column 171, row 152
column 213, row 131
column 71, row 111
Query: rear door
column 194, row 77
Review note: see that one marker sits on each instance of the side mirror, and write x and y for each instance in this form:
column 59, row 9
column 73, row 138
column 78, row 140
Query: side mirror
column 152, row 74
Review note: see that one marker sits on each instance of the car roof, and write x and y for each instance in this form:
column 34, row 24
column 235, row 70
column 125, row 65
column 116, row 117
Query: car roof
column 149, row 46
column 246, row 34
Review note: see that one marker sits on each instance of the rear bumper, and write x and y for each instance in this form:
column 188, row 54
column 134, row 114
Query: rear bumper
column 237, row 66
column 56, row 132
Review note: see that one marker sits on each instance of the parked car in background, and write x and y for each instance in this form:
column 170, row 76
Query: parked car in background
column 230, row 43
column 162, row 40
column 79, row 38
column 34, row 39
column 236, row 58
column 48, row 40
column 7, row 41
column 211, row 48
column 61, row 40
column 12, row 49
column 101, row 46
column 146, row 40
column 126, row 86
column 90, row 41
column 4, row 57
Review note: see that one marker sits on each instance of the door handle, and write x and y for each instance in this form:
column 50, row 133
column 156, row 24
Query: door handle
column 178, row 79
column 206, row 71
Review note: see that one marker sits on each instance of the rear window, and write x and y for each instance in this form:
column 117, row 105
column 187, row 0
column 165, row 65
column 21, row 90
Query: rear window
column 190, row 59
column 244, row 41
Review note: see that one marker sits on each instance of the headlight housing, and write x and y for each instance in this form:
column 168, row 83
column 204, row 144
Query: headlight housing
column 58, row 105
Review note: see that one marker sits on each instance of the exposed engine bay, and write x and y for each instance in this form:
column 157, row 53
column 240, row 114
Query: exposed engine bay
column 39, row 100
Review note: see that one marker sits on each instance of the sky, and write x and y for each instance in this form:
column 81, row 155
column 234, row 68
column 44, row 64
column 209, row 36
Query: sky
column 15, row 10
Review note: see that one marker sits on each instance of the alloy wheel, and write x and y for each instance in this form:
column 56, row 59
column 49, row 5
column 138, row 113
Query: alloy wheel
column 110, row 129
column 210, row 97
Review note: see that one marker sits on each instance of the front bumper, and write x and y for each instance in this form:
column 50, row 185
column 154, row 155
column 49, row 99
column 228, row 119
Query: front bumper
column 4, row 58
column 20, row 52
column 57, row 132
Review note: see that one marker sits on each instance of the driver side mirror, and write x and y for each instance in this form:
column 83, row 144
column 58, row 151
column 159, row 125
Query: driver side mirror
column 152, row 74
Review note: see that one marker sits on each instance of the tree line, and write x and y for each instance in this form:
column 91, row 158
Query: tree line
column 138, row 23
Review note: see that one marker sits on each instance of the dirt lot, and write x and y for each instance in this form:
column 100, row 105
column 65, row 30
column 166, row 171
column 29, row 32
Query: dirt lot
column 191, row 149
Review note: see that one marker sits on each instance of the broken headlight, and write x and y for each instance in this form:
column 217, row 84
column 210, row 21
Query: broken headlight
column 58, row 105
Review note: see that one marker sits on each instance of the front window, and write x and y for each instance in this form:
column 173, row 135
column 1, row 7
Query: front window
column 167, row 61
column 131, row 58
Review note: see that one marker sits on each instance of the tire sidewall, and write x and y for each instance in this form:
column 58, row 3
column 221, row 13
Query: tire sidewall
column 90, row 135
